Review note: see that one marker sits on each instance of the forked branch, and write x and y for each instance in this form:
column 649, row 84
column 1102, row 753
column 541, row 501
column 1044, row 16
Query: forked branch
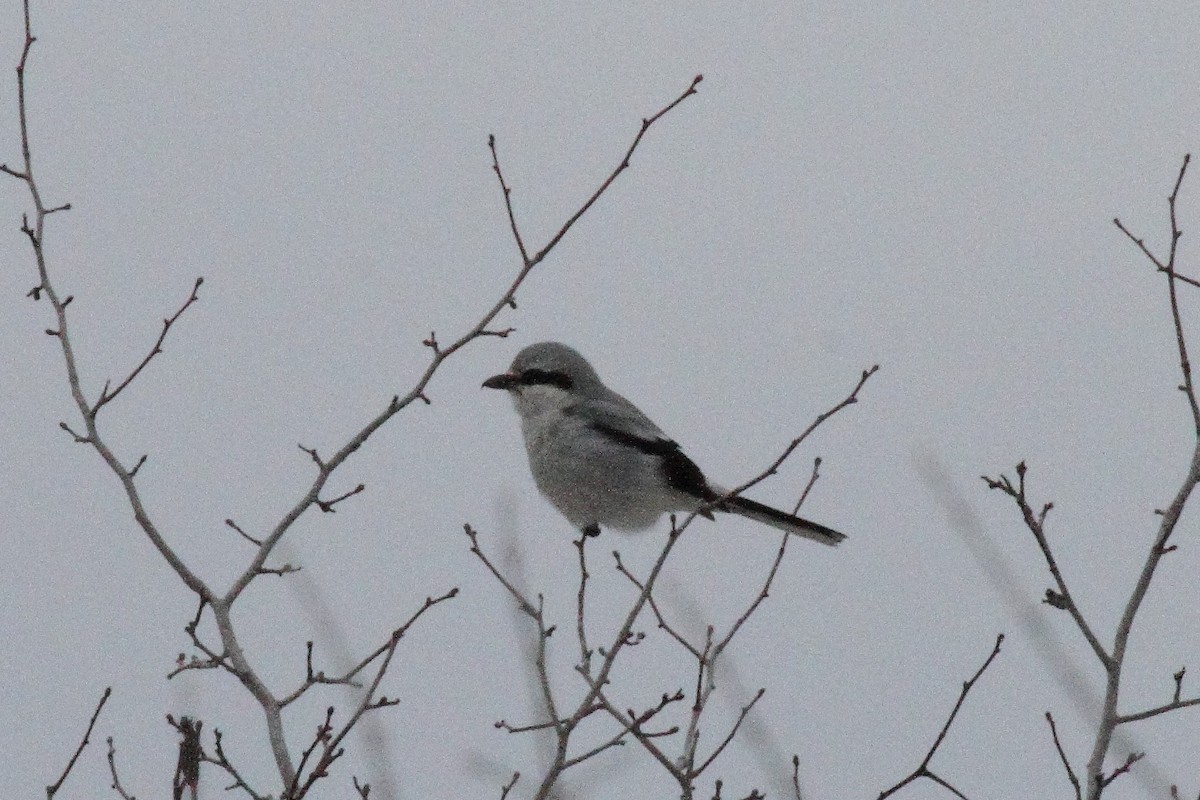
column 923, row 770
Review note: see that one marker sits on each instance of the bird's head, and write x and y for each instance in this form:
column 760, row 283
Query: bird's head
column 546, row 374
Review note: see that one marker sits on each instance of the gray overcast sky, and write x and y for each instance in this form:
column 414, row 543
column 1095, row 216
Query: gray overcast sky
column 926, row 186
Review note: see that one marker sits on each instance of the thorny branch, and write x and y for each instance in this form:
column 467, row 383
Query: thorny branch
column 923, row 770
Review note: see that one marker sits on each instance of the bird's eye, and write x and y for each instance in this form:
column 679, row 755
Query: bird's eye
column 543, row 377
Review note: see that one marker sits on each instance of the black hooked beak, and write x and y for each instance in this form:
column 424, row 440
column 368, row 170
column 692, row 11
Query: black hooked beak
column 506, row 380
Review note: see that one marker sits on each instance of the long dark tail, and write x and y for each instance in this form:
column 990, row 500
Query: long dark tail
column 783, row 521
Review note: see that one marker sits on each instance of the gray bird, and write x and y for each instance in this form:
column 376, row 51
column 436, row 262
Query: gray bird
column 601, row 462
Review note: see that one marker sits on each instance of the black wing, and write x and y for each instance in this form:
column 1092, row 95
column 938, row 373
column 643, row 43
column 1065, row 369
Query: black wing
column 680, row 472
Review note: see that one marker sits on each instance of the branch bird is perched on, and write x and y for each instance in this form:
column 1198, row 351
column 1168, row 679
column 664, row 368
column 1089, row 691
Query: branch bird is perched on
column 602, row 462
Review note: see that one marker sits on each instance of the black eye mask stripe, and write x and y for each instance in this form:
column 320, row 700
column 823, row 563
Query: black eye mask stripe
column 542, row 377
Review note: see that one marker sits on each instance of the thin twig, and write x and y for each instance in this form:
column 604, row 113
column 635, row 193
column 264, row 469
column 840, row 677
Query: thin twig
column 621, row 167
column 330, row 742
column 1174, row 705
column 796, row 776
column 585, row 652
column 256, row 542
column 53, row 788
column 1063, row 757
column 328, row 505
column 820, row 419
column 729, row 737
column 222, row 760
column 1036, row 523
column 658, row 614
column 112, row 769
column 347, row 679
column 107, row 396
column 535, row 612
column 812, row 480
column 508, row 787
column 922, row 770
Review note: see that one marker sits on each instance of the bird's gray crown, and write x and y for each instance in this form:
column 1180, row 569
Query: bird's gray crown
column 557, row 359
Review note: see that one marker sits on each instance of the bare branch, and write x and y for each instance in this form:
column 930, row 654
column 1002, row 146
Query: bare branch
column 585, row 652
column 1036, row 524
column 244, row 535
column 922, row 770
column 133, row 472
column 812, row 480
column 512, row 219
column 286, row 569
column 212, row 659
column 658, row 615
column 53, row 788
column 621, row 167
column 729, row 737
column 508, row 787
column 1130, row 760
column 79, row 439
column 232, row 657
column 222, row 760
column 796, row 763
column 107, row 396
column 720, row 646
column 1110, row 718
column 562, row 727
column 819, row 420
column 112, row 768
column 314, row 678
column 477, row 551
column 633, row 723
column 504, row 725
column 1063, row 757
column 1174, row 705
column 328, row 505
column 330, row 742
